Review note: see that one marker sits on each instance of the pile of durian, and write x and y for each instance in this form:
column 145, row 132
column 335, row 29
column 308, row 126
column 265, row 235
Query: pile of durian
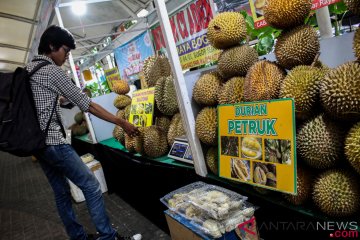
column 153, row 141
column 327, row 101
column 79, row 128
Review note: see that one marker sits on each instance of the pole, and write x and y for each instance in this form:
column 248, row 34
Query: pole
column 324, row 22
column 181, row 90
column 73, row 69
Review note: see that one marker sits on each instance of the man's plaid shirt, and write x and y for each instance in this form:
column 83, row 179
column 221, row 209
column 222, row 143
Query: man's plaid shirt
column 46, row 84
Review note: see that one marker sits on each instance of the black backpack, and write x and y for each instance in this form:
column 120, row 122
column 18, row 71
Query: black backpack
column 20, row 132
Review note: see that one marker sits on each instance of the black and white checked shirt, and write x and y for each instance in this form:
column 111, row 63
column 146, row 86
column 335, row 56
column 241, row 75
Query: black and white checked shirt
column 46, row 84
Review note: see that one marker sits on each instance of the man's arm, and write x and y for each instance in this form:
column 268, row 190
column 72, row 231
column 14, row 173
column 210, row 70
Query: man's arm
column 100, row 112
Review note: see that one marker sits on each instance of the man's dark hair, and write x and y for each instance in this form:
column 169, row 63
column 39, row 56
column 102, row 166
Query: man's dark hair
column 55, row 36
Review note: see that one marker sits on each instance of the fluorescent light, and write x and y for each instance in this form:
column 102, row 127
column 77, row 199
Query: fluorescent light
column 142, row 13
column 78, row 8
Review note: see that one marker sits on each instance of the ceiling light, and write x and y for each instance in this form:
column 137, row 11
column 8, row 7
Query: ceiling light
column 142, row 13
column 78, row 8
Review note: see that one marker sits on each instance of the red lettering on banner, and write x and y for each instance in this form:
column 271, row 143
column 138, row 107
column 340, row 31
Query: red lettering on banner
column 173, row 27
column 182, row 25
column 158, row 38
column 196, row 18
column 204, row 8
column 191, row 22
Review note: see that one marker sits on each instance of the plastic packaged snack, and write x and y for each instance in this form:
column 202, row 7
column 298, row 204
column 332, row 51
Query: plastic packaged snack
column 86, row 158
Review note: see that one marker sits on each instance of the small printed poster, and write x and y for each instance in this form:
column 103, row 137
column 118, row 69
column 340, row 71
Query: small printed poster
column 257, row 144
column 112, row 75
column 257, row 11
column 142, row 107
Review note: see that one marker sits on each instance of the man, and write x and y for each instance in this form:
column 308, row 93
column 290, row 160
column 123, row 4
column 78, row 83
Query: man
column 59, row 160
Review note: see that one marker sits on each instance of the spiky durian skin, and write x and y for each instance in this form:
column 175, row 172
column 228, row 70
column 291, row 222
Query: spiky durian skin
column 353, row 5
column 127, row 112
column 206, row 89
column 232, row 91
column 206, row 126
column 336, row 193
column 119, row 134
column 155, row 143
column 165, row 96
column 320, row 142
column 121, row 101
column 226, row 29
column 303, row 83
column 340, row 91
column 120, row 87
column 236, row 61
column 284, row 14
column 154, row 68
column 263, row 81
column 212, row 160
column 357, row 43
column 304, row 183
column 176, row 129
column 352, row 147
column 163, row 122
column 298, row 46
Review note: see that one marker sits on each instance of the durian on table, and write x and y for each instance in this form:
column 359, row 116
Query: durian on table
column 286, row 14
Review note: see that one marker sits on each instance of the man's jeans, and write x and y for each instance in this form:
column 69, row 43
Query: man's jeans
column 60, row 162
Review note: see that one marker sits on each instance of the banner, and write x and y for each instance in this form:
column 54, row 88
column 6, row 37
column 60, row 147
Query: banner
column 112, row 75
column 142, row 107
column 130, row 56
column 189, row 26
column 257, row 10
column 257, row 144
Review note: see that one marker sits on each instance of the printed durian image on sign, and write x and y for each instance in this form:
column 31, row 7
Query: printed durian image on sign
column 257, row 144
column 142, row 107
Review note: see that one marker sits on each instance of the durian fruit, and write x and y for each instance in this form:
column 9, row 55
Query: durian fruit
column 79, row 117
column 78, row 130
column 206, row 126
column 303, row 83
column 154, row 68
column 120, row 87
column 357, row 43
column 320, row 142
column 127, row 112
column 155, row 143
column 119, row 134
column 336, row 193
column 206, row 89
column 121, row 101
column 263, row 81
column 121, row 113
column 176, row 129
column 304, row 183
column 353, row 6
column 352, row 147
column 340, row 91
column 232, row 91
column 284, row 14
column 165, row 96
column 298, row 46
column 163, row 122
column 226, row 29
column 236, row 61
column 135, row 144
column 212, row 160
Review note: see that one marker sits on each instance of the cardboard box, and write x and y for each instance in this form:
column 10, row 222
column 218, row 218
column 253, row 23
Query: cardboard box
column 182, row 229
column 96, row 168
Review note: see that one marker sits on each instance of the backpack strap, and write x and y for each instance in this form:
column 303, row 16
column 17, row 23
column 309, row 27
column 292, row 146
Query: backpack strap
column 35, row 69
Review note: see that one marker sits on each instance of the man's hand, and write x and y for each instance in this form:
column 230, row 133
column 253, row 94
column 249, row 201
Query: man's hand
column 130, row 129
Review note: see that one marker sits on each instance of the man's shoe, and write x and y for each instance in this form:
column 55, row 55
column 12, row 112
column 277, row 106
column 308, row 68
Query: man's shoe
column 91, row 236
column 134, row 237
